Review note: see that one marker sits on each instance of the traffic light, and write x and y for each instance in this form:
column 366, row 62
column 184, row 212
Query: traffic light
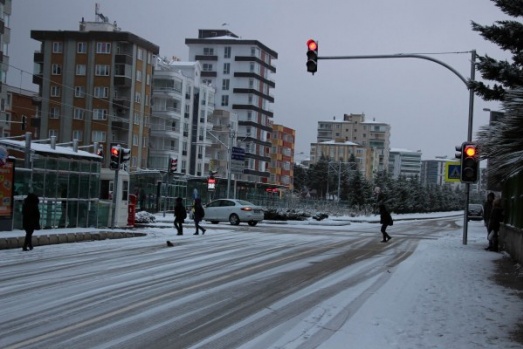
column 115, row 157
column 211, row 183
column 125, row 155
column 469, row 163
column 173, row 165
column 312, row 56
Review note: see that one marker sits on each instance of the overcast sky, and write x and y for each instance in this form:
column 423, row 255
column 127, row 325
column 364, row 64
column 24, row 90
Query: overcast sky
column 425, row 103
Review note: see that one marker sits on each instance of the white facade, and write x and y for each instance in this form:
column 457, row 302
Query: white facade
column 404, row 162
column 5, row 38
column 181, row 106
column 241, row 71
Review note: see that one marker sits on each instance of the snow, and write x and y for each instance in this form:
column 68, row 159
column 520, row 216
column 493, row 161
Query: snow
column 441, row 296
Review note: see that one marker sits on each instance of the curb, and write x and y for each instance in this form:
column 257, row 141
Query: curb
column 53, row 239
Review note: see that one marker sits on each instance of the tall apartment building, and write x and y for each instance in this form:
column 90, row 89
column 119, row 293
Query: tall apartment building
column 241, row 71
column 433, row 171
column 404, row 162
column 95, row 86
column 282, row 156
column 354, row 128
column 182, row 105
column 5, row 38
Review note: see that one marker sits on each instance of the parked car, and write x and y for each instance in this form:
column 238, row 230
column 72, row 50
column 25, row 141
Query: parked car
column 233, row 211
column 475, row 212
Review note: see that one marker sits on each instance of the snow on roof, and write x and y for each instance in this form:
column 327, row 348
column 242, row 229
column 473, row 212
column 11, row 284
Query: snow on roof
column 46, row 149
column 334, row 142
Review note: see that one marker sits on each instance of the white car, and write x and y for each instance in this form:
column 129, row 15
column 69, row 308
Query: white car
column 233, row 211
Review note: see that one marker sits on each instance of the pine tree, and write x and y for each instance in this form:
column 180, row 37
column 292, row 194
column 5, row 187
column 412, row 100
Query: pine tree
column 508, row 35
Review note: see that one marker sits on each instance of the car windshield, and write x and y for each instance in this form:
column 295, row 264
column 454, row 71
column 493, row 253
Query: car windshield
column 475, row 207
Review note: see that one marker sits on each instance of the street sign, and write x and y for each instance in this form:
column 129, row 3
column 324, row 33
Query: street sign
column 237, row 160
column 452, row 172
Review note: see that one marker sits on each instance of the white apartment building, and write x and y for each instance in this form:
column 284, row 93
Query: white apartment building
column 404, row 162
column 241, row 71
column 181, row 106
column 341, row 152
column 354, row 128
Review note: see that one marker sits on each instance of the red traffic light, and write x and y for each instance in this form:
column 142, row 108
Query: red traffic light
column 114, row 151
column 312, row 45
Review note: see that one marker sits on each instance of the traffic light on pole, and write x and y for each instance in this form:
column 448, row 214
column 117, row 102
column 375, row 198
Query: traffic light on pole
column 469, row 162
column 173, row 165
column 125, row 155
column 312, row 56
column 115, row 157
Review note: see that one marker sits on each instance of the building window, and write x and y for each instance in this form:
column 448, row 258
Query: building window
column 135, row 140
column 208, row 51
column 78, row 134
column 148, row 79
column 102, row 70
column 227, row 52
column 79, row 91
column 138, row 75
column 225, row 84
column 99, row 114
column 78, row 114
column 81, row 47
column 81, row 69
column 226, row 68
column 58, row 47
column 103, row 47
column 136, row 118
column 53, row 133
column 139, row 54
column 98, row 136
column 56, row 69
column 225, row 101
column 54, row 113
column 138, row 97
column 207, row 67
column 101, row 92
column 55, row 91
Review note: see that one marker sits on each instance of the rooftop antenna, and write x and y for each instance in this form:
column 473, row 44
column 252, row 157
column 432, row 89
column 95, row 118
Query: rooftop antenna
column 99, row 15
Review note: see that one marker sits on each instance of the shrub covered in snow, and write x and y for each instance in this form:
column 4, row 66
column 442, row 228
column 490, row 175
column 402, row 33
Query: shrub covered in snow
column 144, row 217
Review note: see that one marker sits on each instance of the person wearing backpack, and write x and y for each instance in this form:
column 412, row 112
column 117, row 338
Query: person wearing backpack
column 199, row 213
column 180, row 213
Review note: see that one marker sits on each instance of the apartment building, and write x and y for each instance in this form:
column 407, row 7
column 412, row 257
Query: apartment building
column 95, row 86
column 433, row 172
column 404, row 162
column 5, row 38
column 354, row 128
column 282, row 156
column 342, row 152
column 241, row 71
column 20, row 111
column 181, row 109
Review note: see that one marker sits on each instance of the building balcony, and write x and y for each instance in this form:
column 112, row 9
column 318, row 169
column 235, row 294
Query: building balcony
column 209, row 74
column 203, row 58
column 122, row 81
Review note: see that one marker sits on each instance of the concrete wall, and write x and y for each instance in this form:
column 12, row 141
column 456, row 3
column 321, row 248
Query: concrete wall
column 511, row 241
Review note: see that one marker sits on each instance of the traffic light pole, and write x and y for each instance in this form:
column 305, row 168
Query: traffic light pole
column 471, row 104
column 115, row 193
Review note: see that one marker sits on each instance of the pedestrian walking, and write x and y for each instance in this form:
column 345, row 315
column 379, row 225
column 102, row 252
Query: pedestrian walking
column 496, row 217
column 487, row 210
column 385, row 220
column 30, row 219
column 180, row 213
column 198, row 213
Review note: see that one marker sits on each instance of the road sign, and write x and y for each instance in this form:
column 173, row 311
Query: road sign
column 237, row 160
column 452, row 172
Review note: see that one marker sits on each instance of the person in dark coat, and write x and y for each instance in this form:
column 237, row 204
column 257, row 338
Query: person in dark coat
column 385, row 220
column 487, row 209
column 30, row 219
column 496, row 217
column 180, row 213
column 199, row 213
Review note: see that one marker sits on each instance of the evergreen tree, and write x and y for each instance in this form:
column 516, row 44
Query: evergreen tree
column 508, row 35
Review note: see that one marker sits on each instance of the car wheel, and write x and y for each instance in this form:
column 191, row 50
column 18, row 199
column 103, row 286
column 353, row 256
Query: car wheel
column 214, row 222
column 234, row 219
column 252, row 223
